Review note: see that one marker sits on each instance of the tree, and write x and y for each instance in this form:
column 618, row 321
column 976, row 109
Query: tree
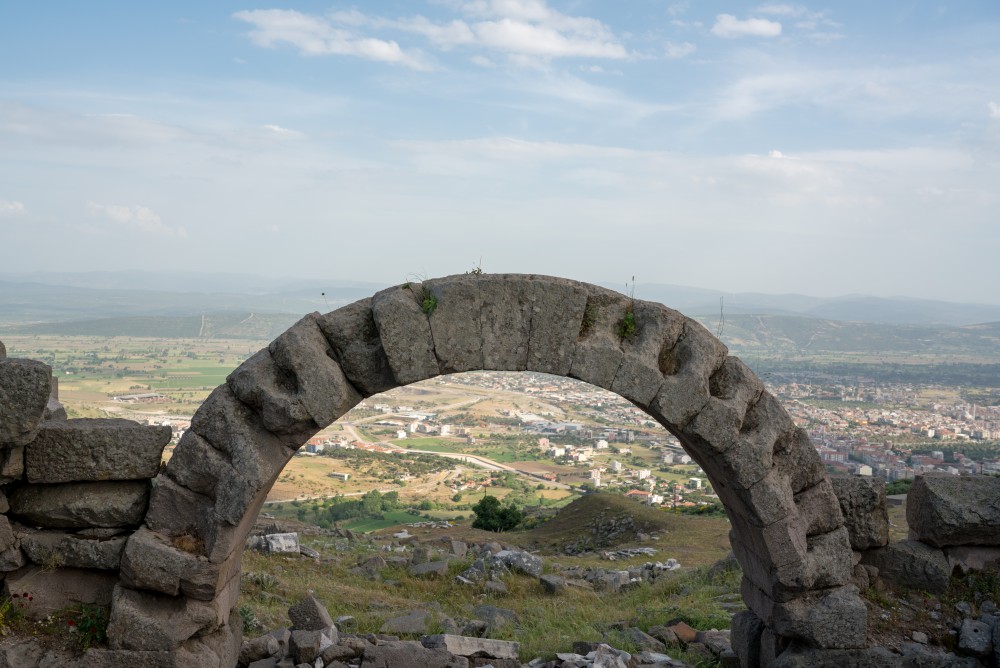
column 492, row 516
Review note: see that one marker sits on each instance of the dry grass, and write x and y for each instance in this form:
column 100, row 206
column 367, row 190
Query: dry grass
column 546, row 625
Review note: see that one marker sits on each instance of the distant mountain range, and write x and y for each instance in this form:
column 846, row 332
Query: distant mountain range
column 48, row 297
column 255, row 307
column 851, row 308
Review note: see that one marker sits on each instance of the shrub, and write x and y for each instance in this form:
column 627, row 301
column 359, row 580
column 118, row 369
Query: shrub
column 492, row 516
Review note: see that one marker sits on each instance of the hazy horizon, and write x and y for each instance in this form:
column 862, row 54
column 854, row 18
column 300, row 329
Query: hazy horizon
column 775, row 148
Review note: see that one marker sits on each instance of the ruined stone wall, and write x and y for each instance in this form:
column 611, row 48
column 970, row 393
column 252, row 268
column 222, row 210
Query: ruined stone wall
column 170, row 570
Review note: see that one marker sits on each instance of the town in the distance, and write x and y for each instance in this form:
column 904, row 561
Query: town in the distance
column 541, row 440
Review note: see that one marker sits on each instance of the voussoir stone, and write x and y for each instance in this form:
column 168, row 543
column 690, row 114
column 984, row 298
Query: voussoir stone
column 81, row 505
column 455, row 324
column 944, row 510
column 863, row 503
column 505, row 321
column 598, row 353
column 256, row 456
column 322, row 388
column 405, row 333
column 640, row 375
column 59, row 549
column 24, row 393
column 557, row 311
column 355, row 340
column 94, row 449
column 261, row 384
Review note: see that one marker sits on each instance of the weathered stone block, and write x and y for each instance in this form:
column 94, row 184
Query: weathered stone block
column 819, row 509
column 198, row 466
column 258, row 648
column 306, row 646
column 270, row 391
column 733, row 390
column 863, row 503
column 473, row 647
column 59, row 549
column 556, row 315
column 505, row 320
column 412, row 654
column 455, row 323
column 828, row 560
column 832, row 619
column 53, row 590
column 794, row 453
column 598, row 352
column 94, row 449
column 176, row 511
column 657, row 330
column 746, row 629
column 3, row 351
column 405, row 333
column 311, row 615
column 218, row 648
column 147, row 621
column 321, row 386
column 24, row 393
column 688, row 367
column 80, row 505
column 944, row 510
column 912, row 564
column 152, row 561
column 256, row 456
column 355, row 340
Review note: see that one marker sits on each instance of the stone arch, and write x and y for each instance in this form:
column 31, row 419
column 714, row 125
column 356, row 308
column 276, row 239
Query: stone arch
column 180, row 571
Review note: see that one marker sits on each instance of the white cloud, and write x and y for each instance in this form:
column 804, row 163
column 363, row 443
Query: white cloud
column 678, row 8
column 526, row 30
column 136, row 217
column 544, row 40
column 727, row 25
column 444, row 36
column 278, row 131
column 994, row 110
column 11, row 208
column 314, row 36
column 682, row 50
column 782, row 10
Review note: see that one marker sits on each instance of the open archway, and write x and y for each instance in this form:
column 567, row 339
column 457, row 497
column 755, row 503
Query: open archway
column 180, row 572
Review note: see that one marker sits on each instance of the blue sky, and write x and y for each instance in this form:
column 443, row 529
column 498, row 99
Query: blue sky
column 821, row 149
